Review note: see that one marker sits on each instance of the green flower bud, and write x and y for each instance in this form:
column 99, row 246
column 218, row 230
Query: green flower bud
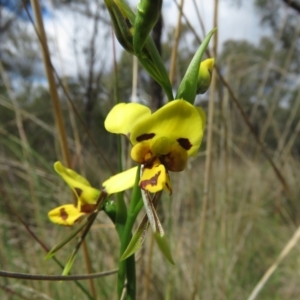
column 122, row 23
column 148, row 12
column 123, row 20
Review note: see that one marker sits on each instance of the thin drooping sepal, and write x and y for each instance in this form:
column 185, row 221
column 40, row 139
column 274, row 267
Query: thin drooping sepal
column 150, row 207
column 188, row 87
column 151, row 212
column 139, row 235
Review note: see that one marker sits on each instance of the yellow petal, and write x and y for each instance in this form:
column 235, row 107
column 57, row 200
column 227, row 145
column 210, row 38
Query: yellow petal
column 155, row 179
column 69, row 173
column 123, row 117
column 65, row 215
column 81, row 187
column 178, row 121
column 120, row 182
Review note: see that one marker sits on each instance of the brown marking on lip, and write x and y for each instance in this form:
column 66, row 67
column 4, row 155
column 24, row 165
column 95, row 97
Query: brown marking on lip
column 149, row 163
column 63, row 214
column 184, row 143
column 145, row 137
column 152, row 181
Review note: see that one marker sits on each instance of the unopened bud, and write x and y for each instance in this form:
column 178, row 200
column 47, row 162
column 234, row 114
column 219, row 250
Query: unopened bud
column 205, row 75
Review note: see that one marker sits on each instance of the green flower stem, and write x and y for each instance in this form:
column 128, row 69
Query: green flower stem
column 127, row 267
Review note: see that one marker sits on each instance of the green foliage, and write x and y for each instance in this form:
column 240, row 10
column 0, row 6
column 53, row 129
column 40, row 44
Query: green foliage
column 148, row 13
column 188, row 87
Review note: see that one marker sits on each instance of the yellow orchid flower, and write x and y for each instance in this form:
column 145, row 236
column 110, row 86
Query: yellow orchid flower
column 87, row 196
column 161, row 141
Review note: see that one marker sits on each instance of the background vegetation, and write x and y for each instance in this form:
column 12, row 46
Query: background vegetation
column 250, row 214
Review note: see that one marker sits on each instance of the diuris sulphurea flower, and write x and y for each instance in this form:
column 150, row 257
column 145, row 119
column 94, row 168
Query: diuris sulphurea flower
column 161, row 142
column 87, row 196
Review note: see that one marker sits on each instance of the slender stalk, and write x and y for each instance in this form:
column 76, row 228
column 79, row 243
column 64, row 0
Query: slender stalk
column 199, row 18
column 51, row 82
column 135, row 64
column 56, row 104
column 224, row 115
column 127, row 266
column 43, row 277
column 208, row 161
column 88, row 264
column 125, row 219
column 176, row 42
column 70, row 101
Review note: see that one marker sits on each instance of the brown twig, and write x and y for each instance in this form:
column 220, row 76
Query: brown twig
column 51, row 81
column 26, row 276
column 61, row 84
column 176, row 42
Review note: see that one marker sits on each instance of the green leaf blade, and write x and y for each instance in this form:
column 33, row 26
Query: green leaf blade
column 188, row 87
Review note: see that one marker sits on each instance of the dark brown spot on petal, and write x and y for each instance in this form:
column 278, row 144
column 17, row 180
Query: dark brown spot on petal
column 63, row 214
column 152, row 181
column 78, row 191
column 145, row 137
column 184, row 143
column 88, row 208
column 149, row 163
